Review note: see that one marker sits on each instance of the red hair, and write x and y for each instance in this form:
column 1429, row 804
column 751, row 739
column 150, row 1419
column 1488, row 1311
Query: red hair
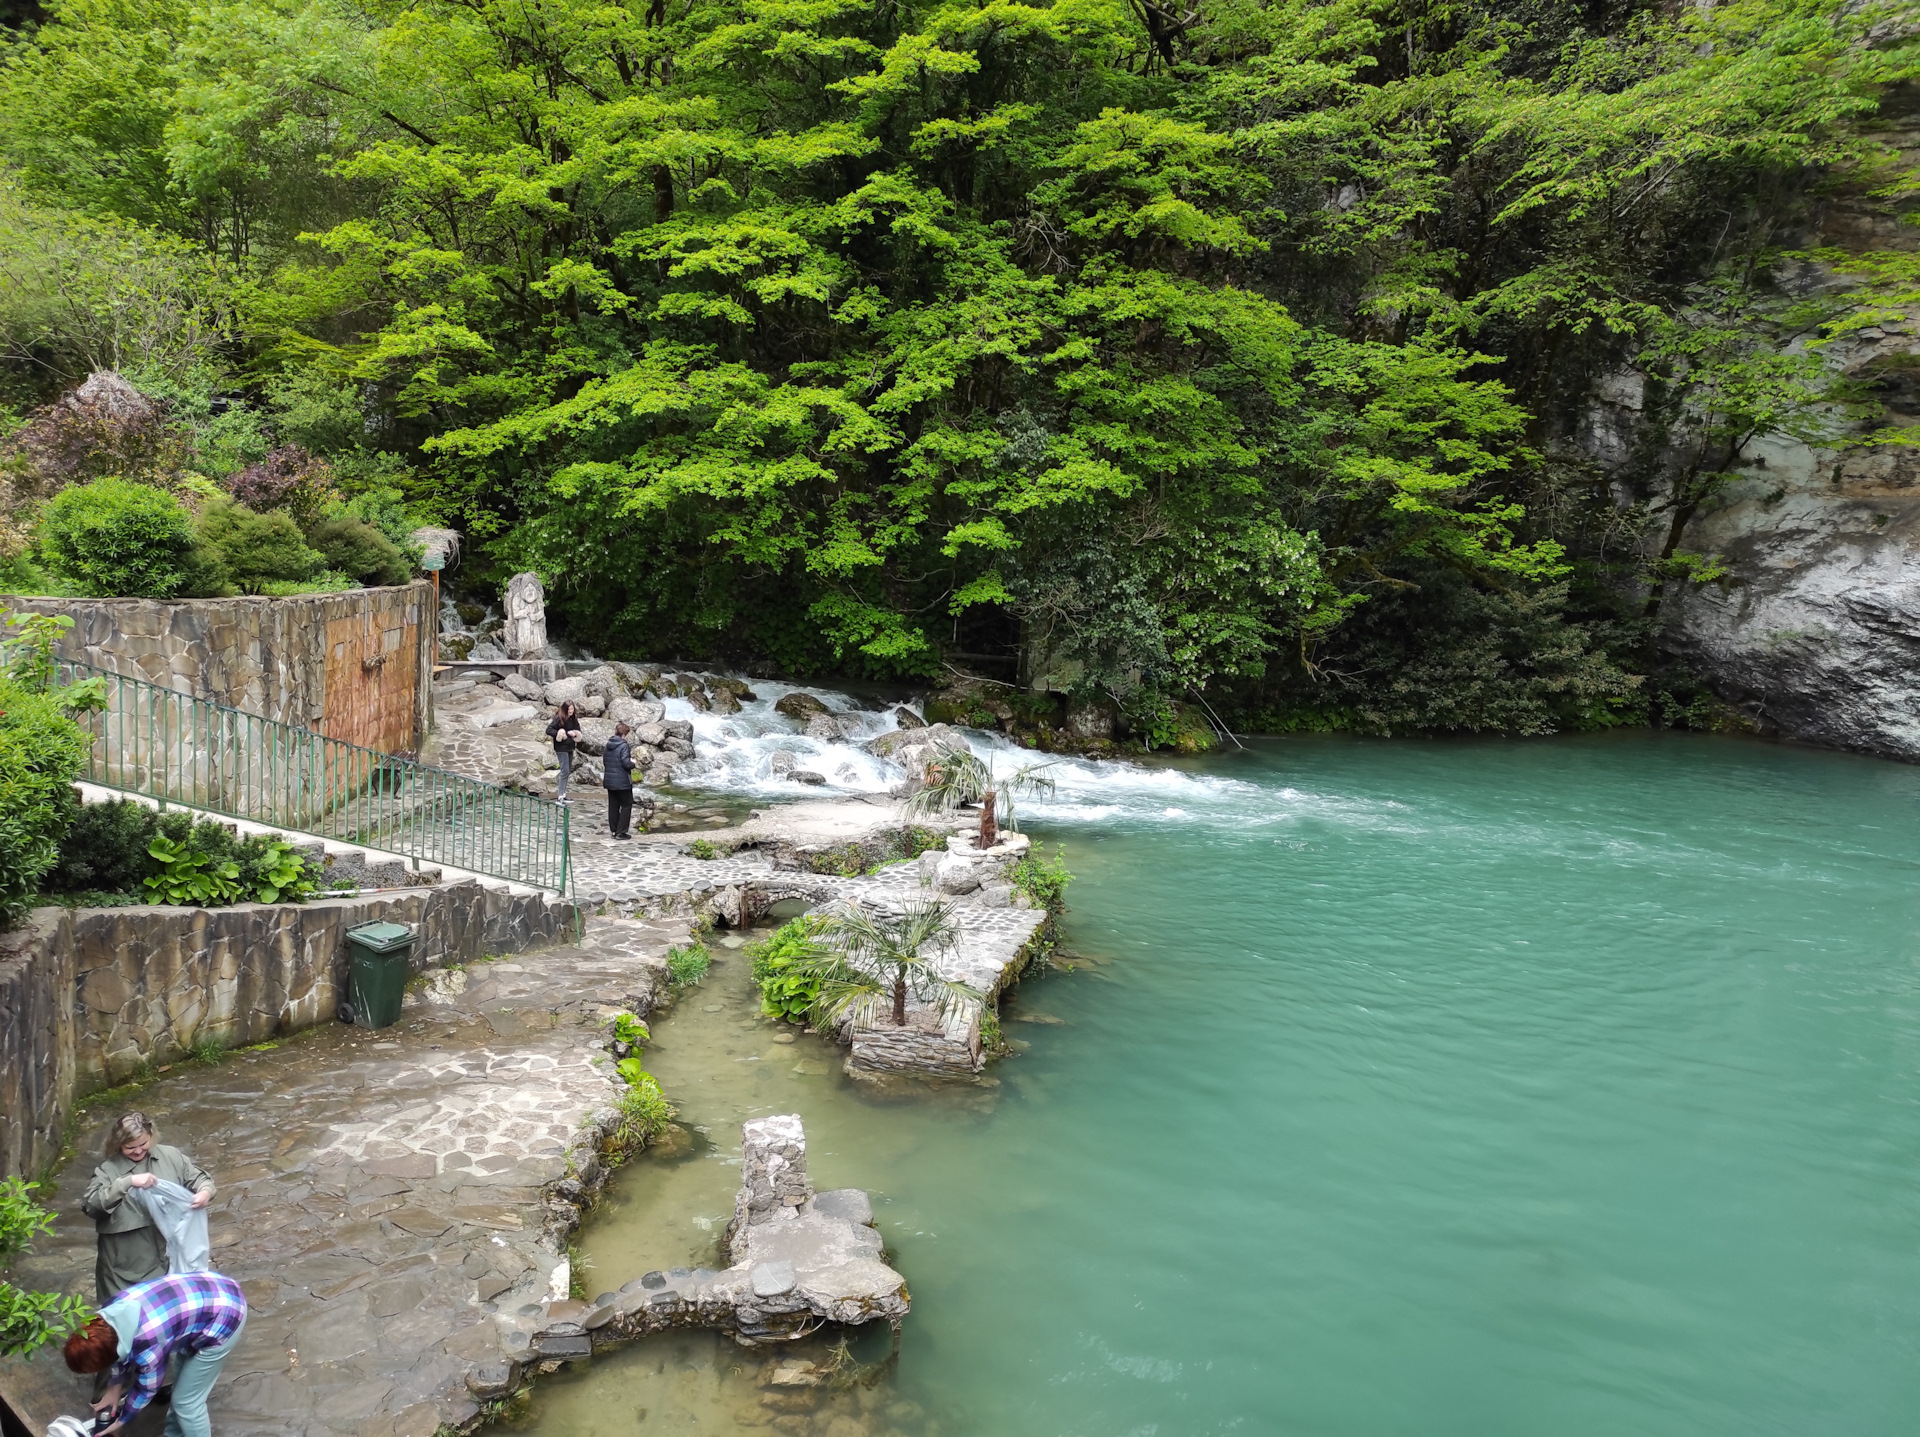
column 93, row 1347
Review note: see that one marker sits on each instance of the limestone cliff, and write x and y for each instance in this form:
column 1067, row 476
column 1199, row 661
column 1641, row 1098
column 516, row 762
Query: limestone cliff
column 1814, row 632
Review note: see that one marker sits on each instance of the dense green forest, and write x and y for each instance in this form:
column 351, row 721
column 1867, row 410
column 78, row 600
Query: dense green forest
column 1148, row 347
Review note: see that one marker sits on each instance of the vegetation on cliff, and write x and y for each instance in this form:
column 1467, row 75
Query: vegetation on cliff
column 1230, row 349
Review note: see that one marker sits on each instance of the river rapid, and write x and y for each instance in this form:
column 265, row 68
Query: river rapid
column 1568, row 1086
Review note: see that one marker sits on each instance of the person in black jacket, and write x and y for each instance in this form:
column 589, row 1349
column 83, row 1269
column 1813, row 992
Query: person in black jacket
column 565, row 733
column 618, row 765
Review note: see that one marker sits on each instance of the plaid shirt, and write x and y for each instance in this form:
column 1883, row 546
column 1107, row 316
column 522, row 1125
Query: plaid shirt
column 187, row 1312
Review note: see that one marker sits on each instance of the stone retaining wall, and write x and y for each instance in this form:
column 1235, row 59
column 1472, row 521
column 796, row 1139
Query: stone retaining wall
column 356, row 666
column 88, row 995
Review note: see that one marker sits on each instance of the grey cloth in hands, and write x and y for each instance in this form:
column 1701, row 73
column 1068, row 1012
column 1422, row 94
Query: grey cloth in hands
column 183, row 1225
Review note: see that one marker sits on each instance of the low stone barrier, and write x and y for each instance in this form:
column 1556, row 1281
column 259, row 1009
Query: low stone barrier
column 90, row 995
column 800, row 1259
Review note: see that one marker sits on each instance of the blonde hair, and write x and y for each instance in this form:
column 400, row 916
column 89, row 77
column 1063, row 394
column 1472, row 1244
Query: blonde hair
column 126, row 1128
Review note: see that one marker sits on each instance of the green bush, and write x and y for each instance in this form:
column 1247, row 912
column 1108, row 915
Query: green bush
column 29, row 1319
column 203, row 863
column 1044, row 880
column 385, row 508
column 257, row 549
column 644, row 1111
column 360, row 551
column 117, row 539
column 105, row 849
column 786, row 968
column 41, row 751
column 271, row 872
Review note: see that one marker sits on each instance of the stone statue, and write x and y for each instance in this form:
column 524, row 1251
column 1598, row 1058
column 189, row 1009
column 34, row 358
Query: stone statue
column 526, row 605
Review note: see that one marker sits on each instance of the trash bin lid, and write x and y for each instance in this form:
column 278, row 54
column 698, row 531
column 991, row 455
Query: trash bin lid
column 381, row 937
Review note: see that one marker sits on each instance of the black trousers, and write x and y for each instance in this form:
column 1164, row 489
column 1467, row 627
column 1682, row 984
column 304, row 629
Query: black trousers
column 619, row 811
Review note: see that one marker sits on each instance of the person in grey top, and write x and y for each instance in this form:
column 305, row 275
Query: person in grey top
column 131, row 1248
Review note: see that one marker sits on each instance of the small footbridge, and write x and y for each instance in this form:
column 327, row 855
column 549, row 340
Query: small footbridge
column 158, row 743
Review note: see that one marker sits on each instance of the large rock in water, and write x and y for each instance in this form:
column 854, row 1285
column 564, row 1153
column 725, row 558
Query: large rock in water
column 799, row 706
column 917, row 748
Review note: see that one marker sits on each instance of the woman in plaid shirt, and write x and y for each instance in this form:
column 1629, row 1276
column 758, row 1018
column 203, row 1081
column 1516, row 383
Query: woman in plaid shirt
column 199, row 1315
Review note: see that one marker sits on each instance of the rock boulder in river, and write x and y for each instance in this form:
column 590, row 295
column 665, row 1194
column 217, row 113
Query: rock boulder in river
column 799, row 706
column 914, row 749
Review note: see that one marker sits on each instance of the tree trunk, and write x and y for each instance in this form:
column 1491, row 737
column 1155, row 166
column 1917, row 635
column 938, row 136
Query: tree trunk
column 989, row 831
column 900, row 998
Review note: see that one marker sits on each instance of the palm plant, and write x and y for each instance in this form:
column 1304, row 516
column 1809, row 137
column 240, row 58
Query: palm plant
column 870, row 960
column 954, row 780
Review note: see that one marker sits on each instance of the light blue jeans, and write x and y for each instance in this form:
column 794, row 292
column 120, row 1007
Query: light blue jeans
column 565, row 755
column 187, row 1413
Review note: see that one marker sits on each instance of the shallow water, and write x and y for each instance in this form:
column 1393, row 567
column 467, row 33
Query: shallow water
column 1482, row 1088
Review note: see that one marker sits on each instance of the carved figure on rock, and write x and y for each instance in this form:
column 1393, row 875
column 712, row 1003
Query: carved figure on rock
column 526, row 607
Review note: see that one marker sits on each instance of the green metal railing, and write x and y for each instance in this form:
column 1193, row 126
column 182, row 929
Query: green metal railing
column 174, row 747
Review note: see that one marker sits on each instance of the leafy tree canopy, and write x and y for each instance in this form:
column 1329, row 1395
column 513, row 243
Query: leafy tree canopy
column 865, row 334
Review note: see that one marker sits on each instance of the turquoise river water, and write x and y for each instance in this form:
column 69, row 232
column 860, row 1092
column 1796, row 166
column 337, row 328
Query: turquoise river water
column 1564, row 1087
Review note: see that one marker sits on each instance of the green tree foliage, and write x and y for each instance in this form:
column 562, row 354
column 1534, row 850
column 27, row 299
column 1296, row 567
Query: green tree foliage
column 1153, row 344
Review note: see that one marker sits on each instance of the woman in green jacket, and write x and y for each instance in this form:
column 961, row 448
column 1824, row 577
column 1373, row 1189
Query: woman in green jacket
column 131, row 1248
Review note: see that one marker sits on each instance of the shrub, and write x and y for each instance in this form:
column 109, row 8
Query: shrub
column 117, row 539
column 786, row 969
column 105, row 426
column 41, row 751
column 194, row 863
column 360, row 551
column 271, row 872
column 1044, row 880
column 688, row 965
column 385, row 508
column 289, row 480
column 644, row 1111
column 29, row 1319
column 257, row 549
column 701, row 848
column 105, row 849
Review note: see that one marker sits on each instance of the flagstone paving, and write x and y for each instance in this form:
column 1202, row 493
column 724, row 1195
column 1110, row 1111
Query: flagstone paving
column 388, row 1198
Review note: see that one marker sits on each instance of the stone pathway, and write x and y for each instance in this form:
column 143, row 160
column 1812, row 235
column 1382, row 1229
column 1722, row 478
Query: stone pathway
column 396, row 1202
column 390, row 1200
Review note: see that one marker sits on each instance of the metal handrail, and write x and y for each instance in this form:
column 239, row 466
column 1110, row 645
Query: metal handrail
column 168, row 745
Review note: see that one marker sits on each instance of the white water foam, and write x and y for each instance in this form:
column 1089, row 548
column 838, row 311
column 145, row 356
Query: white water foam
column 736, row 756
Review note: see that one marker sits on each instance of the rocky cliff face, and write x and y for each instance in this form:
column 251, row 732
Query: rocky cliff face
column 1818, row 637
column 1815, row 631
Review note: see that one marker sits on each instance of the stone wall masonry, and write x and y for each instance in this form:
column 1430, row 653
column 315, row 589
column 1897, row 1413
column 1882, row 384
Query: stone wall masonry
column 356, row 666
column 89, row 995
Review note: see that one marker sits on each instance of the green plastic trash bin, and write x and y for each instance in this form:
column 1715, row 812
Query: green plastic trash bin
column 377, row 972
